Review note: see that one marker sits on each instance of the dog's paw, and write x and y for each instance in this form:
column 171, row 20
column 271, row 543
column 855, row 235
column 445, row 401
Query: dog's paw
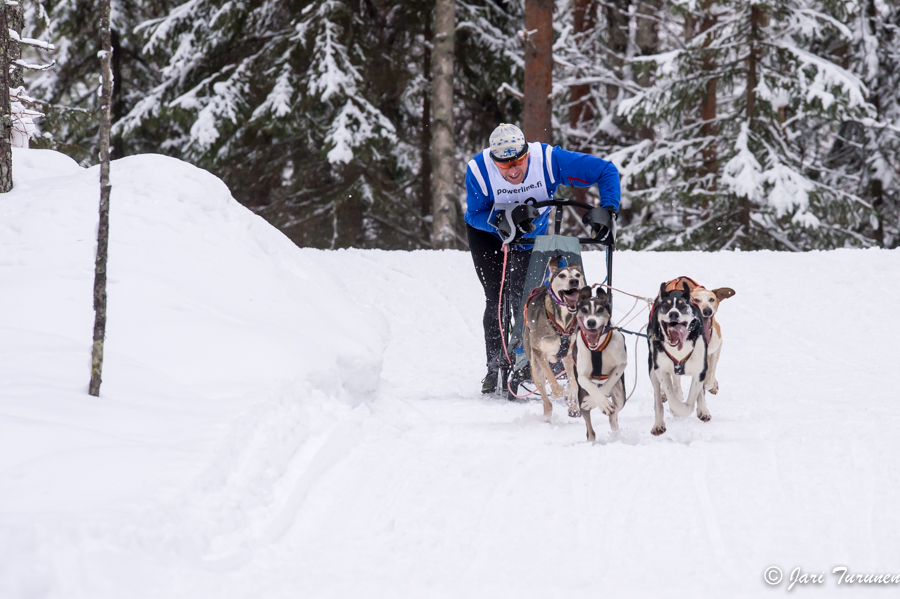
column 713, row 387
column 574, row 413
column 704, row 416
column 657, row 430
column 604, row 405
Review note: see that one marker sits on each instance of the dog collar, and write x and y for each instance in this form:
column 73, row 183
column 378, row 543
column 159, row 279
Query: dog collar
column 558, row 301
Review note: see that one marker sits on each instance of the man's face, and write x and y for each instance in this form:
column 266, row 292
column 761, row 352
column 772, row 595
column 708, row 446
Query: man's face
column 514, row 172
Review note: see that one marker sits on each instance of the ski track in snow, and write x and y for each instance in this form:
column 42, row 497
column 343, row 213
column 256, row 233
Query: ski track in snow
column 261, row 460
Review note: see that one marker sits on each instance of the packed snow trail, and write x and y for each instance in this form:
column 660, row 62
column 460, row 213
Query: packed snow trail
column 278, row 422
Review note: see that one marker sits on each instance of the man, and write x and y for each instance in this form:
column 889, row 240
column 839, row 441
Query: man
column 512, row 171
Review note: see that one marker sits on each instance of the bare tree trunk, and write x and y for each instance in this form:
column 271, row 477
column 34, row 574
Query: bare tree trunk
column 580, row 109
column 538, row 124
column 425, row 197
column 16, row 22
column 709, row 128
column 118, row 98
column 752, row 77
column 445, row 215
column 617, row 23
column 6, row 166
column 103, row 229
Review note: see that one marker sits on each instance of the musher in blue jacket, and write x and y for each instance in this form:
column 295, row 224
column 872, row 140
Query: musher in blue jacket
column 512, row 171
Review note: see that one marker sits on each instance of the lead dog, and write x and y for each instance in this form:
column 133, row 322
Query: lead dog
column 677, row 347
column 549, row 324
column 600, row 359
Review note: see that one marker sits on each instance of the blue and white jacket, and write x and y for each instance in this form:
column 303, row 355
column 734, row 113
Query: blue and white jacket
column 548, row 168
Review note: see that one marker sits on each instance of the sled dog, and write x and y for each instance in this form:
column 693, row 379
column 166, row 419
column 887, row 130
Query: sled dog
column 549, row 324
column 677, row 347
column 708, row 302
column 598, row 353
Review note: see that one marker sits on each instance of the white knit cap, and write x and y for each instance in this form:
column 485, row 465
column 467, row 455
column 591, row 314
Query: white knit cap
column 507, row 142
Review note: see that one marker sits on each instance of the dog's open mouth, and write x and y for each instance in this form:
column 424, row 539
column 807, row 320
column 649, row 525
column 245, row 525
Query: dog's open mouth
column 570, row 297
column 592, row 336
column 676, row 332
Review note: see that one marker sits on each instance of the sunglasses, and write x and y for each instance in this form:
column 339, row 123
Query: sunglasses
column 505, row 166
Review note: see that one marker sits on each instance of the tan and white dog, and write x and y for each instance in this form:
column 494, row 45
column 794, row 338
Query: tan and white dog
column 708, row 302
column 549, row 325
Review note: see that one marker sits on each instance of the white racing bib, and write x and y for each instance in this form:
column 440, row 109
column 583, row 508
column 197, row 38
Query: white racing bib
column 533, row 186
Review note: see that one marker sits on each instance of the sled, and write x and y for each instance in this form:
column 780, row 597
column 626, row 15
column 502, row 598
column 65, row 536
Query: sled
column 566, row 250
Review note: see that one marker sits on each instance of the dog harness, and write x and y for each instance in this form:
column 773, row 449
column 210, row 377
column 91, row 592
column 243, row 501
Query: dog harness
column 679, row 364
column 565, row 341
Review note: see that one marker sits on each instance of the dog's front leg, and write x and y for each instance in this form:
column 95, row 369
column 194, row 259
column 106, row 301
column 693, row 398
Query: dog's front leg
column 659, row 426
column 698, row 394
column 711, row 384
column 540, row 371
column 618, row 399
column 676, row 404
column 595, row 399
column 607, row 387
column 591, row 435
column 571, row 385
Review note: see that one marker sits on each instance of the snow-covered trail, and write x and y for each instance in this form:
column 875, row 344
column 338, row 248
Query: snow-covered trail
column 438, row 491
column 283, row 422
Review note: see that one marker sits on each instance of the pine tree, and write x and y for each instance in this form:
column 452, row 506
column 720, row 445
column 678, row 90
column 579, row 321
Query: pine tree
column 870, row 150
column 68, row 94
column 745, row 111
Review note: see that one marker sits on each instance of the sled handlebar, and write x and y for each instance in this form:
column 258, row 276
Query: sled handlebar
column 599, row 219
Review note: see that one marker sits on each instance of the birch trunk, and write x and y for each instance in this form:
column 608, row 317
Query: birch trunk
column 445, row 219
column 103, row 229
column 6, row 178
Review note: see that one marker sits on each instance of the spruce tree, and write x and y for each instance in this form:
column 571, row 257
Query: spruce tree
column 744, row 112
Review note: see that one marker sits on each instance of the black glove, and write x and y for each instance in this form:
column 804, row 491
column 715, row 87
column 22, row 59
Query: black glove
column 523, row 217
column 601, row 222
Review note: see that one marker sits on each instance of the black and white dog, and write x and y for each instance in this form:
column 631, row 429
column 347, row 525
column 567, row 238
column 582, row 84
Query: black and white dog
column 600, row 359
column 677, row 347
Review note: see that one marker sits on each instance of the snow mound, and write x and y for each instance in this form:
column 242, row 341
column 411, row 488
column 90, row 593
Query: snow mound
column 228, row 350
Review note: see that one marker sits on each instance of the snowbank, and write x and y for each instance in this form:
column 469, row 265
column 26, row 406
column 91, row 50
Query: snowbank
column 224, row 341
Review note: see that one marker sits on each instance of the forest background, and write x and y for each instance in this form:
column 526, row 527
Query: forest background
column 348, row 123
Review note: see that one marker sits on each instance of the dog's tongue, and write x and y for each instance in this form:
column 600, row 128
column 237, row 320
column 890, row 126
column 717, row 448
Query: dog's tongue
column 592, row 336
column 570, row 298
column 707, row 328
column 677, row 334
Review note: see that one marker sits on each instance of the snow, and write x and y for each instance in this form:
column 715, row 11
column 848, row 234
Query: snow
column 284, row 422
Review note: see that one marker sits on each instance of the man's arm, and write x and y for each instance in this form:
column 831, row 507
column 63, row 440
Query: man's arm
column 583, row 170
column 478, row 203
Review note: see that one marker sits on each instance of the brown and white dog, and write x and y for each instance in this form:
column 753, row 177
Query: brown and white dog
column 600, row 360
column 549, row 324
column 708, row 302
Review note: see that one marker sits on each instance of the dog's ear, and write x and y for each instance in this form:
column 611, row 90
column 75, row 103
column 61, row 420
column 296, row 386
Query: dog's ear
column 584, row 294
column 686, row 288
column 662, row 290
column 602, row 294
column 723, row 293
column 553, row 264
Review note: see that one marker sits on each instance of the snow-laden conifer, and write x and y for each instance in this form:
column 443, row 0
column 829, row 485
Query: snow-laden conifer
column 743, row 111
